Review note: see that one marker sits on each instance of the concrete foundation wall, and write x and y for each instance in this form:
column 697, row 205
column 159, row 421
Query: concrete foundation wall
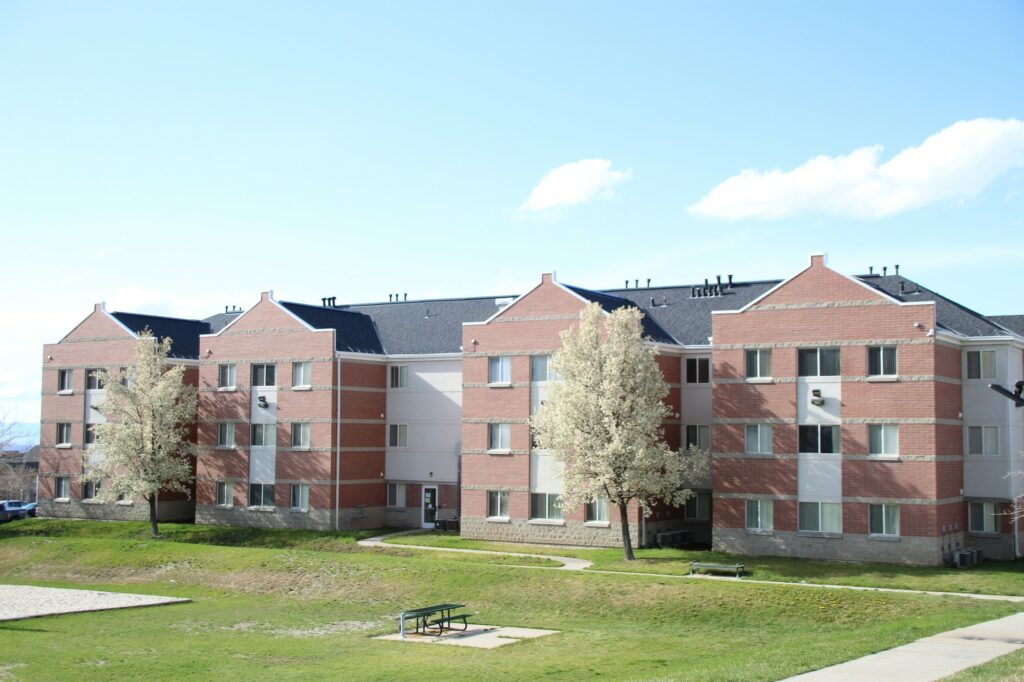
column 314, row 519
column 572, row 533
column 906, row 550
column 178, row 511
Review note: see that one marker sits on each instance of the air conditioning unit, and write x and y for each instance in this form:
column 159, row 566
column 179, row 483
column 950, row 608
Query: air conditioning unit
column 817, row 401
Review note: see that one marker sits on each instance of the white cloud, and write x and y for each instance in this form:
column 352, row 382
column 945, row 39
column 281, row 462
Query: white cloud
column 955, row 163
column 574, row 183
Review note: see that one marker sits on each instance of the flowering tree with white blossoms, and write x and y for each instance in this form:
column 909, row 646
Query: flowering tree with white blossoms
column 603, row 420
column 145, row 441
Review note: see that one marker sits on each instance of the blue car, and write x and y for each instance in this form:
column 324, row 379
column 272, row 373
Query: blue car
column 11, row 510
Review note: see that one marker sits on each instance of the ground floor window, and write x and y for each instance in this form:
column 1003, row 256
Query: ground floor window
column 261, row 494
column 497, row 504
column 983, row 517
column 300, row 496
column 223, row 494
column 884, row 519
column 597, row 511
column 91, row 489
column 396, row 495
column 698, row 507
column 759, row 515
column 61, row 488
column 546, row 506
column 824, row 517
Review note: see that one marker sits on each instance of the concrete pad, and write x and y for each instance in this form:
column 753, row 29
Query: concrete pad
column 29, row 601
column 476, row 636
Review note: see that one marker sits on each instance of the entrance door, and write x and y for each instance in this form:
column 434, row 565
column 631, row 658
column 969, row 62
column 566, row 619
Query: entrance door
column 429, row 506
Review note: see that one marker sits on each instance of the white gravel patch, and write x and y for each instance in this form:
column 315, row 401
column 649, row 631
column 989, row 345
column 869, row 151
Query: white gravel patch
column 28, row 601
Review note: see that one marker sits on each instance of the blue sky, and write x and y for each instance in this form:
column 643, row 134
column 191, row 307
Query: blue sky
column 178, row 157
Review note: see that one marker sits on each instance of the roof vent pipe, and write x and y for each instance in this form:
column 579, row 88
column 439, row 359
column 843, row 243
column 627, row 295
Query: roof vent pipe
column 627, row 283
column 885, row 270
column 897, row 266
column 707, row 286
column 871, row 269
column 636, row 284
column 648, row 282
column 730, row 281
column 405, row 297
column 652, row 301
column 719, row 278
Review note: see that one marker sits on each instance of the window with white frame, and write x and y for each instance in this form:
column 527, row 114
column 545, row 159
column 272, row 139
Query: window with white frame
column 399, row 376
column 698, row 435
column 982, row 440
column 264, row 375
column 758, row 363
column 983, row 517
column 818, row 362
column 398, row 435
column 225, row 435
column 300, row 435
column 300, row 496
column 499, row 436
column 546, row 506
column 698, row 507
column 499, row 369
column 64, row 433
column 94, row 379
column 883, row 439
column 759, row 515
column 223, row 494
column 698, row 370
column 263, row 435
column 91, row 489
column 759, row 439
column 65, row 380
column 881, row 361
column 820, row 517
column 90, row 435
column 540, row 368
column 981, row 364
column 225, row 376
column 302, row 373
column 123, row 498
column 818, row 438
column 261, row 494
column 884, row 519
column 61, row 488
column 497, row 504
column 596, row 511
column 396, row 495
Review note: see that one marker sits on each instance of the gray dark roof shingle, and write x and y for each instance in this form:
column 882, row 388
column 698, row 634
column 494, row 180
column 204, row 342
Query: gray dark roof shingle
column 431, row 326
column 1015, row 323
column 221, row 320
column 184, row 334
column 354, row 332
column 610, row 302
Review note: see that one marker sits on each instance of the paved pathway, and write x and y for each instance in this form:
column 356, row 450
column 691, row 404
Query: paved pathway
column 29, row 601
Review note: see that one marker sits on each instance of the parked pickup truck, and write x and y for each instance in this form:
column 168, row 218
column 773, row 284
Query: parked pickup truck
column 16, row 509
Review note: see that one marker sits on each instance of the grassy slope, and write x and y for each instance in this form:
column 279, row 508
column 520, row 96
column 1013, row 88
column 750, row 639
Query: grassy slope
column 990, row 577
column 293, row 612
column 1008, row 668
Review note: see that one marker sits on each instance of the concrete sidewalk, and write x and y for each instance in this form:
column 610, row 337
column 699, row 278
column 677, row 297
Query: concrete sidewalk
column 931, row 658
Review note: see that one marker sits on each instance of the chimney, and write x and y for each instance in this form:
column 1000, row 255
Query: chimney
column 885, row 270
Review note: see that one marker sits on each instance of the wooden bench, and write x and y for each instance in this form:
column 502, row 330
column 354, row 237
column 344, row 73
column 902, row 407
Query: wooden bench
column 448, row 620
column 738, row 569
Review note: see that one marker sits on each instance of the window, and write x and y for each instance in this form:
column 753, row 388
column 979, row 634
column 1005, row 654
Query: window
column 759, row 439
column 818, row 362
column 91, row 489
column 396, row 495
column 883, row 439
column 122, row 498
column 499, row 370
column 93, row 379
column 698, row 435
column 263, row 435
column 261, row 494
column 223, row 494
column 61, row 488
column 698, row 370
column 399, row 376
column 127, row 376
column 540, row 368
column 90, row 435
column 64, row 433
column 818, row 438
column 884, row 519
column 981, row 364
column 546, row 506
column 881, row 361
column 398, row 435
column 65, row 379
column 698, row 507
column 983, row 517
column 225, row 435
column 759, row 515
column 823, row 517
column 499, row 436
column 758, row 363
column 300, row 496
column 596, row 511
column 982, row 440
column 300, row 435
column 263, row 375
column 225, row 376
column 301, row 374
column 497, row 504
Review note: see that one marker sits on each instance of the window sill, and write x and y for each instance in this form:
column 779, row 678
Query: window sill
column 758, row 454
column 884, row 538
column 498, row 519
column 299, row 510
column 223, row 506
column 883, row 379
column 261, row 509
column 500, row 451
column 597, row 524
column 819, row 534
column 225, row 447
column 300, row 448
column 759, row 531
column 62, row 500
column 306, row 387
column 499, row 384
column 884, row 458
column 91, row 501
column 63, row 446
column 546, row 522
column 125, row 503
column 758, row 380
column 66, row 391
column 967, row 456
column 227, row 389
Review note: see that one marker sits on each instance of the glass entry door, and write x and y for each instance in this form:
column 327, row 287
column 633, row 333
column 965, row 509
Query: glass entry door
column 429, row 506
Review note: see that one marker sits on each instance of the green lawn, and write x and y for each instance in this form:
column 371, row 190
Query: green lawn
column 305, row 606
column 991, row 577
column 1008, row 668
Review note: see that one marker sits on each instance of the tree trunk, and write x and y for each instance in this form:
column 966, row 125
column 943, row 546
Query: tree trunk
column 152, row 517
column 627, row 544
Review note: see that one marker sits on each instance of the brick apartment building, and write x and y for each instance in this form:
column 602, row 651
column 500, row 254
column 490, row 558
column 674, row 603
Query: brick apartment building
column 849, row 417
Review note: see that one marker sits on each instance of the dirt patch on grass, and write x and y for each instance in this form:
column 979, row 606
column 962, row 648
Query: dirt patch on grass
column 312, row 630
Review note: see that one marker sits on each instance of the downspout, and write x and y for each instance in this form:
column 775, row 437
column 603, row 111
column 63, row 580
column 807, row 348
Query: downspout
column 1016, row 529
column 337, row 453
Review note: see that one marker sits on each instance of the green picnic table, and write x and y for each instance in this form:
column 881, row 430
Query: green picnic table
column 425, row 621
